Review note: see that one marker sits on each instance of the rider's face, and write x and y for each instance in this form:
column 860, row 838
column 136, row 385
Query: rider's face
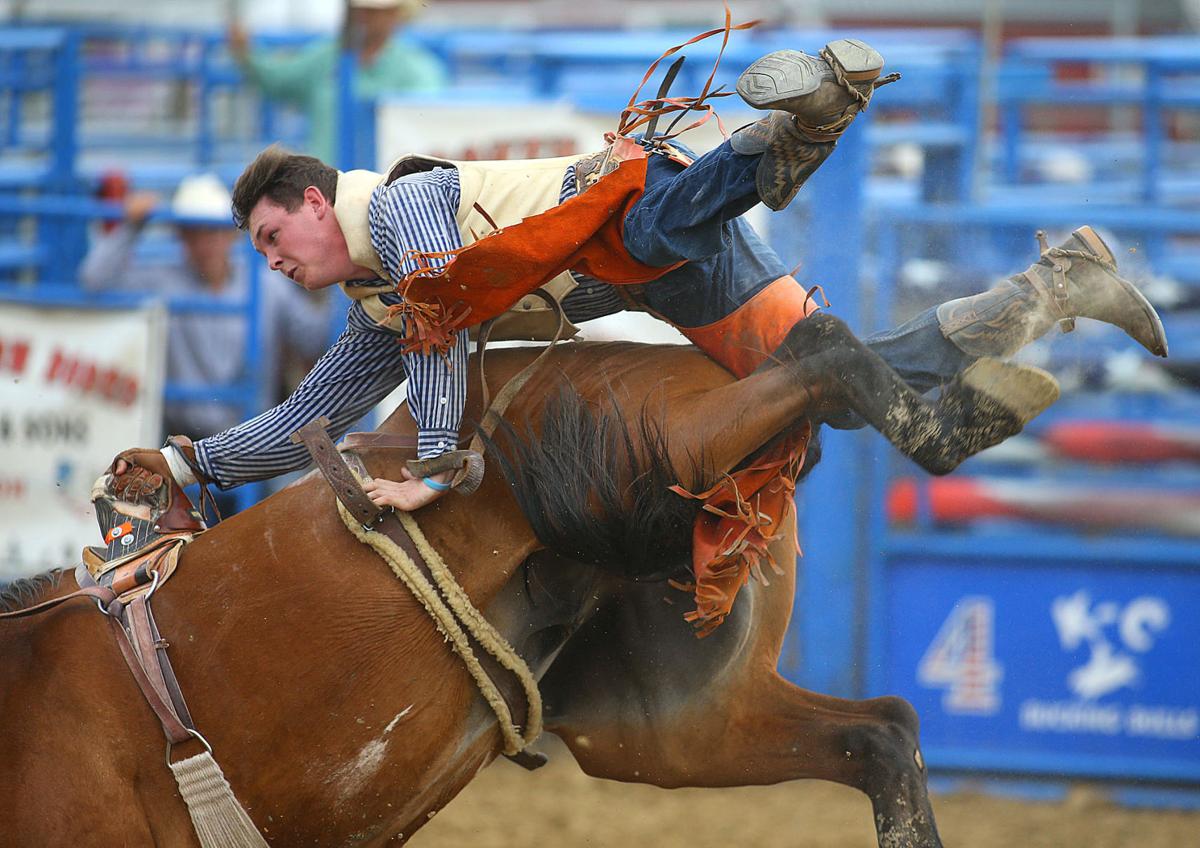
column 306, row 245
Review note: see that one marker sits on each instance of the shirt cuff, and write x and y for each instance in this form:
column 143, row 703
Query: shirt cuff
column 203, row 462
column 432, row 443
column 179, row 469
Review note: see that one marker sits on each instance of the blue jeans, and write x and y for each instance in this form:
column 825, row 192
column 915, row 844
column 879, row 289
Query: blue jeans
column 693, row 214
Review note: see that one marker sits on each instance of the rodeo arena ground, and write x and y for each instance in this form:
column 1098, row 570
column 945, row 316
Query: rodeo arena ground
column 831, row 478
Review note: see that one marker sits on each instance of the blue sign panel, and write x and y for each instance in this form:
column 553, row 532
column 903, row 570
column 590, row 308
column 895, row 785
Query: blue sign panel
column 1047, row 667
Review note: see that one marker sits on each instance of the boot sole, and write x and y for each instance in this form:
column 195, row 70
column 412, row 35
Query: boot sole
column 1157, row 343
column 780, row 77
column 860, row 62
column 1023, row 390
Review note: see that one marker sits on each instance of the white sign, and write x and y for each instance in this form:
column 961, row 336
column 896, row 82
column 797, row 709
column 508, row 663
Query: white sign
column 482, row 130
column 76, row 388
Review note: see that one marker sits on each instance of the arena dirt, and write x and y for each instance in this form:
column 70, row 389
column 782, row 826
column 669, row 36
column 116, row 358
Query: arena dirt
column 559, row 806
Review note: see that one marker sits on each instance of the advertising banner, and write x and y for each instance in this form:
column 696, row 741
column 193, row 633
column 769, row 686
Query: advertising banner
column 76, row 388
column 1050, row 668
column 480, row 130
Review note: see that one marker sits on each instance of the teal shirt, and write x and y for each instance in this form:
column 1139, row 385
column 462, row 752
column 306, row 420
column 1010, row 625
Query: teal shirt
column 307, row 79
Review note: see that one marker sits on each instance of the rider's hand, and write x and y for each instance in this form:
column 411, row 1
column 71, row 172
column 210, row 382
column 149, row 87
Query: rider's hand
column 138, row 473
column 239, row 42
column 409, row 495
column 138, row 207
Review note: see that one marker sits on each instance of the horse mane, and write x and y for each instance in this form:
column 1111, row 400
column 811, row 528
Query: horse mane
column 592, row 495
column 26, row 591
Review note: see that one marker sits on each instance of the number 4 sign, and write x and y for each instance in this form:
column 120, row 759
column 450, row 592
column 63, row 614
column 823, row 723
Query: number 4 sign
column 960, row 660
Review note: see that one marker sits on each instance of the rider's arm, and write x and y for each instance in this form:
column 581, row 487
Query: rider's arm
column 361, row 368
column 416, row 213
column 109, row 264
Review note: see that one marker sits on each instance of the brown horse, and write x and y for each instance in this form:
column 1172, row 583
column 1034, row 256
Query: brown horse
column 341, row 717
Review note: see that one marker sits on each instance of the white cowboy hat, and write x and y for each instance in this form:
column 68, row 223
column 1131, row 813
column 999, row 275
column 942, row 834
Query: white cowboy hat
column 203, row 196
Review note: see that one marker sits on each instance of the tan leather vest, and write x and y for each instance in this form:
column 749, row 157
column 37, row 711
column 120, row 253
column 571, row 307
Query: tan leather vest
column 507, row 191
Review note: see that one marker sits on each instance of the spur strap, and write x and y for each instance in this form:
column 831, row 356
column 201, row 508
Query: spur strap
column 496, row 408
column 101, row 595
column 173, row 726
column 145, row 653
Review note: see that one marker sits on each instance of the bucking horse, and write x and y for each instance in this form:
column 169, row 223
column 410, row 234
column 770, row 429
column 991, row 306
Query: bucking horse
column 340, row 712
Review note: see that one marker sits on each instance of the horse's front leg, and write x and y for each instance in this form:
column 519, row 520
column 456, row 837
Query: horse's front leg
column 984, row 404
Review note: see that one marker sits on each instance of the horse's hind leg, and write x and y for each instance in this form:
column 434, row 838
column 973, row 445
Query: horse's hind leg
column 985, row 404
column 638, row 698
column 768, row 732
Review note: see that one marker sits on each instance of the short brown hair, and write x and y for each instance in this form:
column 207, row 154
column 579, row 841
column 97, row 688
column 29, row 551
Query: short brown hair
column 280, row 176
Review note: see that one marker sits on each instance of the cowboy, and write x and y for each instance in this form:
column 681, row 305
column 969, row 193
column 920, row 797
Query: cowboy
column 433, row 247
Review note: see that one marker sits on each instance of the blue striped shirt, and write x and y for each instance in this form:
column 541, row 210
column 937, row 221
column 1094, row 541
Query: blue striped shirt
column 366, row 363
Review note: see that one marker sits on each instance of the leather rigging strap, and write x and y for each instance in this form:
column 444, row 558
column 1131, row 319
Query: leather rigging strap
column 333, row 465
column 496, row 409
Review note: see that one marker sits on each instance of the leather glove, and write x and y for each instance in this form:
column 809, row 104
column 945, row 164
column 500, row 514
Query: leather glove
column 139, row 473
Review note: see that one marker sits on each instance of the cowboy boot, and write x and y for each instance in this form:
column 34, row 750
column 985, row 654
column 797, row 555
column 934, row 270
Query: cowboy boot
column 1077, row 279
column 816, row 97
column 983, row 405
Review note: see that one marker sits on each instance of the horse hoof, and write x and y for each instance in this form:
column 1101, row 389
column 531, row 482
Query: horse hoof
column 985, row 404
column 1023, row 390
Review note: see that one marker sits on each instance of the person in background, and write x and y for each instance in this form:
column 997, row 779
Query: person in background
column 307, row 79
column 207, row 349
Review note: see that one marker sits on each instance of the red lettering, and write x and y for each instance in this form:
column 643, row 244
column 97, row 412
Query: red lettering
column 88, row 378
column 12, row 488
column 58, row 365
column 523, row 148
column 14, row 355
column 126, row 391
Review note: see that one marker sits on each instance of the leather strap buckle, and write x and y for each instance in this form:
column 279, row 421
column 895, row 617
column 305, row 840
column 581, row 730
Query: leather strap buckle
column 1059, row 295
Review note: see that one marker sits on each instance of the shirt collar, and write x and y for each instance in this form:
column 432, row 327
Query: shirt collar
column 352, row 206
